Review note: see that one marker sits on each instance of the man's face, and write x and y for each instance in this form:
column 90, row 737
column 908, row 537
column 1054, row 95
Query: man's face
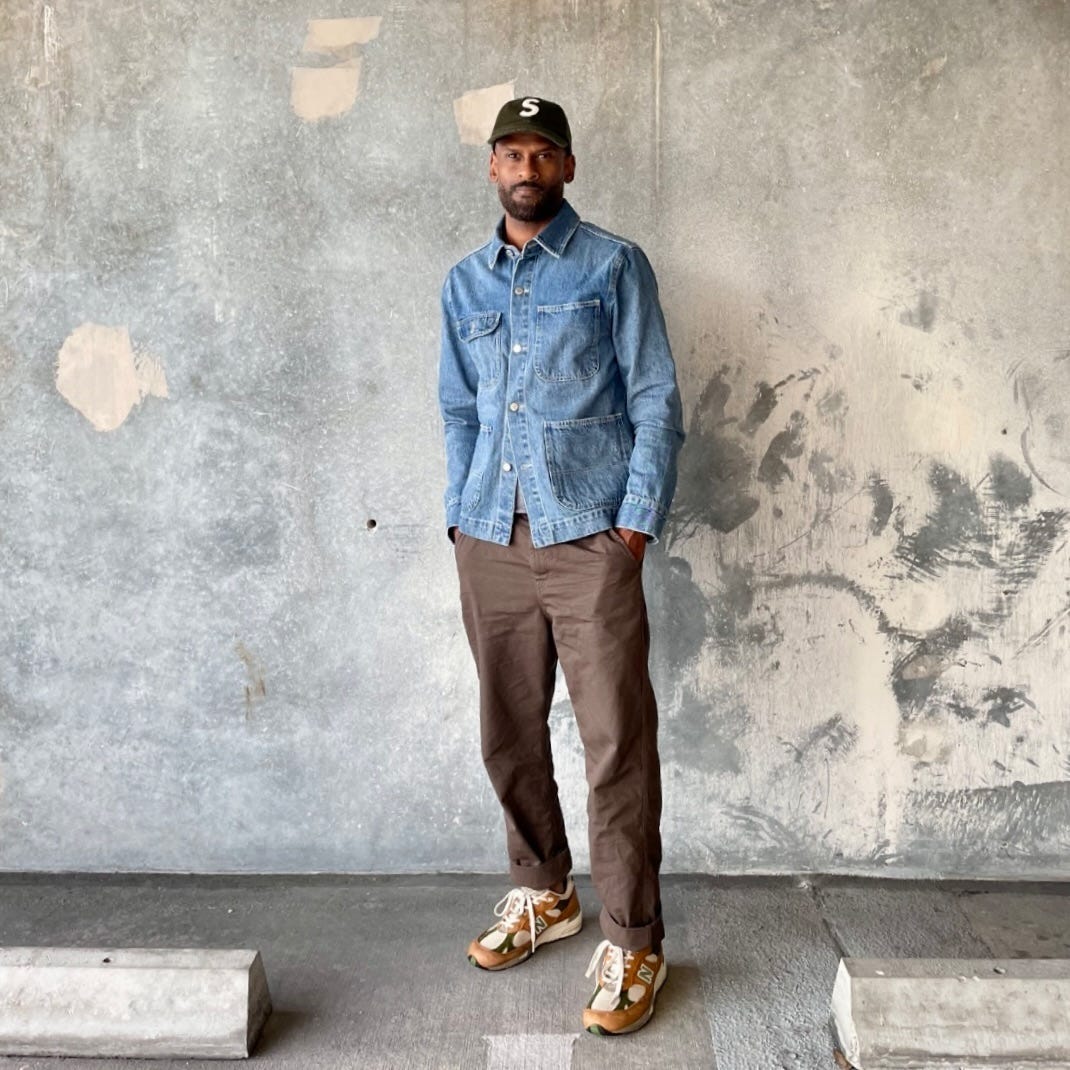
column 530, row 173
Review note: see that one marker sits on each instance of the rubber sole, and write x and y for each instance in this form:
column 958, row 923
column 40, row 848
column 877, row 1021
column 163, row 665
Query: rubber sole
column 559, row 931
column 601, row 1031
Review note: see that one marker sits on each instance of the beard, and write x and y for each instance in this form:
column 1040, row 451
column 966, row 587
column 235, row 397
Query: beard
column 535, row 210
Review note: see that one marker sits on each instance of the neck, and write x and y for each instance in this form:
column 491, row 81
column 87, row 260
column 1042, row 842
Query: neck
column 518, row 233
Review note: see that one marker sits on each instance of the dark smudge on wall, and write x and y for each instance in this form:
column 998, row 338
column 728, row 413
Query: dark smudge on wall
column 985, row 824
column 883, row 503
column 786, row 445
column 948, row 533
column 716, row 469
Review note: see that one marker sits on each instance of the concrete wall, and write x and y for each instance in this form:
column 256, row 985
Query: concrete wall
column 229, row 632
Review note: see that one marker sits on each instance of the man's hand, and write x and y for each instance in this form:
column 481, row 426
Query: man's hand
column 636, row 541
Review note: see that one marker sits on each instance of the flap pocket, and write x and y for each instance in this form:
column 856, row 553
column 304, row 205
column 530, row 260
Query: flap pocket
column 483, row 343
column 477, row 325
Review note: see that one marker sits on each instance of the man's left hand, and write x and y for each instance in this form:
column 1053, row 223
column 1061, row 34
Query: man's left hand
column 636, row 541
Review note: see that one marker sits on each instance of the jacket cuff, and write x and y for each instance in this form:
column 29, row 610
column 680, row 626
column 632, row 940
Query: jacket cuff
column 639, row 517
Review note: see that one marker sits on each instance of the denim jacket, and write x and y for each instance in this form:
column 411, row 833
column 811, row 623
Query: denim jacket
column 555, row 370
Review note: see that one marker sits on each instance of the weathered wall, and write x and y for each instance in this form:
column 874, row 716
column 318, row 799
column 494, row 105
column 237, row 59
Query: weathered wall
column 222, row 235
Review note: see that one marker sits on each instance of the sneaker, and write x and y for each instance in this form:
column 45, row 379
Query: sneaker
column 627, row 982
column 529, row 919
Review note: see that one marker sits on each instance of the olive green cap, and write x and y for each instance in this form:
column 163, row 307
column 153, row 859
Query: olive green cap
column 533, row 115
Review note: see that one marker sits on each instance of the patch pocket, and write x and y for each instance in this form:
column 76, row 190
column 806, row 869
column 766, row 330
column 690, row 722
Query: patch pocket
column 482, row 338
column 587, row 460
column 566, row 341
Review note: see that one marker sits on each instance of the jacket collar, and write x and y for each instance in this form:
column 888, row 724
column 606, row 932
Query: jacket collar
column 553, row 238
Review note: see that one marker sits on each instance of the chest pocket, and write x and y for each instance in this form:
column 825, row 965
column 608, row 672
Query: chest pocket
column 566, row 341
column 482, row 338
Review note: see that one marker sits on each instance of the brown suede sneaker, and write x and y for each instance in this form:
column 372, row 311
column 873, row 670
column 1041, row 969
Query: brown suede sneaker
column 627, row 982
column 529, row 919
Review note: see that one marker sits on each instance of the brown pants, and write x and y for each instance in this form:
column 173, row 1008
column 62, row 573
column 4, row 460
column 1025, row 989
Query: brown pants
column 580, row 601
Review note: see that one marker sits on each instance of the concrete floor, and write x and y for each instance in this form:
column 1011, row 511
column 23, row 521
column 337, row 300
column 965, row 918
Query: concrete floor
column 370, row 972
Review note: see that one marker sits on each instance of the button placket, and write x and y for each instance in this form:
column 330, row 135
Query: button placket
column 518, row 303
column 519, row 319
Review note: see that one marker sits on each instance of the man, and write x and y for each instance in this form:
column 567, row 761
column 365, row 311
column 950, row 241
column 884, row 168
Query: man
column 562, row 425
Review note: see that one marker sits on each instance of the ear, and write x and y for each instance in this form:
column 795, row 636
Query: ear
column 570, row 167
column 493, row 167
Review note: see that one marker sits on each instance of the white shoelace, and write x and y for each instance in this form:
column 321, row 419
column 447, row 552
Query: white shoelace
column 518, row 902
column 613, row 959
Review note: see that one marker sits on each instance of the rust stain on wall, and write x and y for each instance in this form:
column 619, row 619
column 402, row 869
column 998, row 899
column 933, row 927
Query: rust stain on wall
column 255, row 688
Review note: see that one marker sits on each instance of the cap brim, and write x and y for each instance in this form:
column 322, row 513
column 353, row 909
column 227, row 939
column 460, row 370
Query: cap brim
column 527, row 128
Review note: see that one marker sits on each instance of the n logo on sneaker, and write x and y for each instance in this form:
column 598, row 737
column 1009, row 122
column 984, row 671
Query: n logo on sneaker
column 645, row 974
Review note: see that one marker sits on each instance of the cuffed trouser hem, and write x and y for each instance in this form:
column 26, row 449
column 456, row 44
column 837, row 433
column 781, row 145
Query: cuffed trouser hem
column 634, row 939
column 542, row 874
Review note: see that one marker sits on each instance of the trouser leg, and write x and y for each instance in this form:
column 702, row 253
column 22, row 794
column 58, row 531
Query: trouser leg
column 516, row 661
column 592, row 589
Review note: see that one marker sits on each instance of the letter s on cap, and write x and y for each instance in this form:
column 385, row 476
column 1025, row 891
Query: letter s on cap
column 530, row 107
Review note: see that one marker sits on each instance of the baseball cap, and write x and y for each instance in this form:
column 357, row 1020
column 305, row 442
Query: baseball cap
column 533, row 115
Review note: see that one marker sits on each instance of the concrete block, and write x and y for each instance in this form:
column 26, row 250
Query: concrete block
column 147, row 1002
column 969, row 1013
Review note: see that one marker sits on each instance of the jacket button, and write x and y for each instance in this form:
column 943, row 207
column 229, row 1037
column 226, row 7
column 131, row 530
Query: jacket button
column 514, row 406
column 507, row 467
column 519, row 291
column 517, row 348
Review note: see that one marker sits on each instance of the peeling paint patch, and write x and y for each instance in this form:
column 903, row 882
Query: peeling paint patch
column 331, row 36
column 318, row 93
column 324, row 92
column 99, row 374
column 476, row 110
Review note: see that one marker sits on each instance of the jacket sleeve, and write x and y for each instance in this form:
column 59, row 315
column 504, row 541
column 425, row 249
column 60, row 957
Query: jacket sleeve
column 457, row 386
column 653, row 398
